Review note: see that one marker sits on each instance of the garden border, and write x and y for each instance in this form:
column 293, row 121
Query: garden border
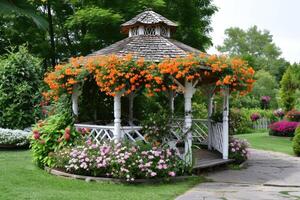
column 58, row 172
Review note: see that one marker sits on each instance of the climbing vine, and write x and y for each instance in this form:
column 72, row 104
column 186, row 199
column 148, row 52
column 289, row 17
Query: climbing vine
column 123, row 74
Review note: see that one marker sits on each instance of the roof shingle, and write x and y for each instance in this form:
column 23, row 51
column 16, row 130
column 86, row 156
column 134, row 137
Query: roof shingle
column 151, row 48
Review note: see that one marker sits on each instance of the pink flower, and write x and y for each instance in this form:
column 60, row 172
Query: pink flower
column 153, row 174
column 172, row 173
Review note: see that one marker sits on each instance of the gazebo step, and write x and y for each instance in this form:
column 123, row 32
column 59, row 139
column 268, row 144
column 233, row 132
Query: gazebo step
column 207, row 163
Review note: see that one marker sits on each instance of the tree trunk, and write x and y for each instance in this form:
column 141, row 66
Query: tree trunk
column 51, row 34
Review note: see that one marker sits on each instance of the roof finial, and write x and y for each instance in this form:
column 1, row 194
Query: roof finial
column 148, row 9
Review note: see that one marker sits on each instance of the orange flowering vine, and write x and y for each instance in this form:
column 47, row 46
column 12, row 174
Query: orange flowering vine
column 114, row 74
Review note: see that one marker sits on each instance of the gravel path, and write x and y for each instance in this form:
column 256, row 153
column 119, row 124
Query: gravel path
column 269, row 176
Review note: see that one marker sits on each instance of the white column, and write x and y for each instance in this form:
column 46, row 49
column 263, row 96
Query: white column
column 75, row 96
column 189, row 91
column 225, row 133
column 131, row 98
column 171, row 101
column 117, row 116
column 209, row 113
column 141, row 30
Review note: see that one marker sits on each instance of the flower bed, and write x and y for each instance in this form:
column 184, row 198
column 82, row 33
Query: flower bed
column 283, row 128
column 122, row 161
column 13, row 138
column 238, row 150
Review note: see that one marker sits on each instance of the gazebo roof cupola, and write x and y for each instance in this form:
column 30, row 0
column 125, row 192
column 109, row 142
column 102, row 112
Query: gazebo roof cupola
column 148, row 23
column 148, row 37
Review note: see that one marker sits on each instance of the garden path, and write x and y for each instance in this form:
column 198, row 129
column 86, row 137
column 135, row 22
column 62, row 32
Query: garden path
column 269, row 176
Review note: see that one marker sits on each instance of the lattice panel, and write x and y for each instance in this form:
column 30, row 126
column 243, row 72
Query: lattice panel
column 132, row 133
column 150, row 30
column 134, row 31
column 164, row 31
column 217, row 136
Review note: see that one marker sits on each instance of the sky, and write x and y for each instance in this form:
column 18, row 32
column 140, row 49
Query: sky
column 280, row 17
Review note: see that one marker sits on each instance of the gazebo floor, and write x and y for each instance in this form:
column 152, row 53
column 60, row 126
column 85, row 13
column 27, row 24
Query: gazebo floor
column 207, row 159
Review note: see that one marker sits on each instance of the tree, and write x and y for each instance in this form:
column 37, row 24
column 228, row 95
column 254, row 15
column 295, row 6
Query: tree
column 79, row 27
column 289, row 90
column 265, row 85
column 257, row 47
column 20, row 77
column 24, row 8
column 193, row 18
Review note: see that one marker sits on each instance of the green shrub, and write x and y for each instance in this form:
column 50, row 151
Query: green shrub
column 20, row 78
column 239, row 122
column 14, row 137
column 50, row 135
column 296, row 142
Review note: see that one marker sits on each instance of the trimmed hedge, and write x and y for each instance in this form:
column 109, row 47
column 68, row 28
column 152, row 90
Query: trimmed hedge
column 296, row 142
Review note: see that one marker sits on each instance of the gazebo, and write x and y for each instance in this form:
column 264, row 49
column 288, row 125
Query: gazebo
column 149, row 37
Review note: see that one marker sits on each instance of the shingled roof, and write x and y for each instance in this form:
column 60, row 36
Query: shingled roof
column 151, row 48
column 149, row 17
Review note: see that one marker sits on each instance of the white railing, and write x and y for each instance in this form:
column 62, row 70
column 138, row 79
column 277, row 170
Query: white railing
column 99, row 133
column 200, row 131
column 217, row 136
column 262, row 123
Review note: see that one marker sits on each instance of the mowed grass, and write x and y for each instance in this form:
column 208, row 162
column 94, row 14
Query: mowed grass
column 21, row 179
column 263, row 141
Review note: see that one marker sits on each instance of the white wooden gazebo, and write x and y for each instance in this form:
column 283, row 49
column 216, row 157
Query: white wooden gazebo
column 149, row 36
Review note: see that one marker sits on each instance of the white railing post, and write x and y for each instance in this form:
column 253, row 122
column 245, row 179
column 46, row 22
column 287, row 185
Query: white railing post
column 117, row 116
column 225, row 133
column 75, row 96
column 171, row 101
column 209, row 114
column 189, row 91
column 131, row 99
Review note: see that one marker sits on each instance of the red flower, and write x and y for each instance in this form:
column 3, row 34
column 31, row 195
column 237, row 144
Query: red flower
column 36, row 134
column 67, row 136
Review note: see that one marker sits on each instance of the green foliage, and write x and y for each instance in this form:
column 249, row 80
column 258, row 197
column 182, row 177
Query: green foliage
column 50, row 135
column 255, row 46
column 81, row 27
column 157, row 127
column 289, row 87
column 21, row 7
column 193, row 17
column 265, row 85
column 296, row 142
column 247, row 101
column 94, row 26
column 239, row 122
column 199, row 110
column 20, row 79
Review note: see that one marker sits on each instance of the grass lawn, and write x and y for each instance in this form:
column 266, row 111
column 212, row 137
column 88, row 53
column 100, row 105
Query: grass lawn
column 21, row 179
column 263, row 141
